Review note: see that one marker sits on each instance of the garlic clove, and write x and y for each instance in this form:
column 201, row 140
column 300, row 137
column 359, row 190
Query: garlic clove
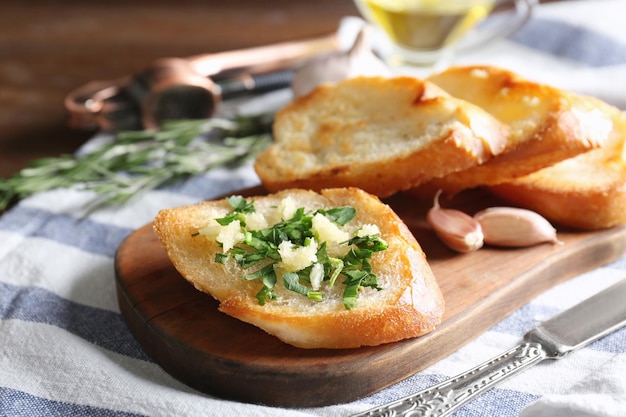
column 359, row 60
column 363, row 61
column 333, row 67
column 457, row 230
column 515, row 227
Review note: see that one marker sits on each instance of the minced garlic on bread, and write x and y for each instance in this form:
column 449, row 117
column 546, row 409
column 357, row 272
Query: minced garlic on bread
column 546, row 124
column 382, row 135
column 404, row 302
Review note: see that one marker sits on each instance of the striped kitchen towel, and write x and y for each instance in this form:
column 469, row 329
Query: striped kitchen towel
column 65, row 349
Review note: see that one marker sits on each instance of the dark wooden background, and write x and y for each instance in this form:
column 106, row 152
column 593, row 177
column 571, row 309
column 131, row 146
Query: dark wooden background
column 48, row 48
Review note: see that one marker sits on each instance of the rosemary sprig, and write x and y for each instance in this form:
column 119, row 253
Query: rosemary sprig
column 134, row 162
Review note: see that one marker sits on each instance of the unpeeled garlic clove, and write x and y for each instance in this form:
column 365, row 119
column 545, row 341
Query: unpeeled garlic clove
column 515, row 227
column 359, row 60
column 457, row 230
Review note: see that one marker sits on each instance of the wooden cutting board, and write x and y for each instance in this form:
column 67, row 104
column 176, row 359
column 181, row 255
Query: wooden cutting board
column 182, row 330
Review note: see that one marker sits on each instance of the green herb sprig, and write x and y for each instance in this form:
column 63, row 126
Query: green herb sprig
column 134, row 162
column 260, row 249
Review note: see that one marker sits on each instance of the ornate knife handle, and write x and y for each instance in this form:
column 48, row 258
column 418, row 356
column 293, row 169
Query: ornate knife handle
column 443, row 399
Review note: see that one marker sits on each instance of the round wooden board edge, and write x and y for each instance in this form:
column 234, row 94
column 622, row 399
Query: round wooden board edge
column 394, row 362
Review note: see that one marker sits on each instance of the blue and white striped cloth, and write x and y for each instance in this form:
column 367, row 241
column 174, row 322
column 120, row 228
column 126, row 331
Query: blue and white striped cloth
column 65, row 349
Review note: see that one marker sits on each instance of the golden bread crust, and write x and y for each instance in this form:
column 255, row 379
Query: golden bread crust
column 410, row 304
column 586, row 192
column 547, row 125
column 382, row 135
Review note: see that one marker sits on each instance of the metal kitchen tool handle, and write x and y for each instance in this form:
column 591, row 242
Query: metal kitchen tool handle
column 173, row 86
column 574, row 328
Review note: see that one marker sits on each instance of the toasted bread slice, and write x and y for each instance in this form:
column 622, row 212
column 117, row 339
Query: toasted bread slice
column 382, row 135
column 409, row 304
column 547, row 125
column 586, row 192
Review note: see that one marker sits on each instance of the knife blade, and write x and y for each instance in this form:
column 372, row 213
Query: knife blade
column 584, row 323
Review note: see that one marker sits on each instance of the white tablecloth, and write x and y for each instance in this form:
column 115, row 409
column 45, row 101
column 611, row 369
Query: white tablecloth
column 65, row 349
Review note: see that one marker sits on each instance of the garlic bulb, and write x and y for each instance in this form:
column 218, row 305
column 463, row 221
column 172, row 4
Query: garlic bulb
column 457, row 230
column 515, row 227
column 359, row 60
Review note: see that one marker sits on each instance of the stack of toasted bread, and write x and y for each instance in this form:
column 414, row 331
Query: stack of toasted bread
column 553, row 151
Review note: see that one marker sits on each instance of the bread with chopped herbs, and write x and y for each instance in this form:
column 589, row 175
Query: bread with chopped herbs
column 546, row 124
column 391, row 296
column 382, row 135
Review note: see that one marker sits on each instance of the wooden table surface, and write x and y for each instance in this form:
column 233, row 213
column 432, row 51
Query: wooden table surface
column 48, row 48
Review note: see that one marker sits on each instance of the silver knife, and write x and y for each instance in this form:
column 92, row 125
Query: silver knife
column 556, row 338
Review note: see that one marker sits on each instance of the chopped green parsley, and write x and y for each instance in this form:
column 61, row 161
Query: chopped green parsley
column 293, row 247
